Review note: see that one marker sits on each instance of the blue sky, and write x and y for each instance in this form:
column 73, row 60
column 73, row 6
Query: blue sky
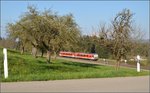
column 88, row 14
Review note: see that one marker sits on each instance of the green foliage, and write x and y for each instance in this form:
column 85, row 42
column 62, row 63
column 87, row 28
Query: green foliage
column 103, row 52
column 141, row 48
column 26, row 68
column 46, row 31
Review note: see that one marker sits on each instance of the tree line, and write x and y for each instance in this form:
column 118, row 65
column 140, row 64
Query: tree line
column 49, row 33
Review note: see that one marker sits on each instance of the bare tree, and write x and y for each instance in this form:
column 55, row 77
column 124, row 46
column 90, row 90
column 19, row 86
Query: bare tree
column 121, row 35
column 118, row 37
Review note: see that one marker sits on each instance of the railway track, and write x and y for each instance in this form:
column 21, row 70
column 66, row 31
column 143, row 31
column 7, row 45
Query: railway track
column 100, row 62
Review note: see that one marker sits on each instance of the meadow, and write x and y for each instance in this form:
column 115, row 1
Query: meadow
column 27, row 68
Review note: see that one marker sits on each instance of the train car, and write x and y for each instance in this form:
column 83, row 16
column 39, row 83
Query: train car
column 66, row 54
column 90, row 56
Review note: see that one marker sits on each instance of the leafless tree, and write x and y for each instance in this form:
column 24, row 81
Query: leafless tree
column 118, row 36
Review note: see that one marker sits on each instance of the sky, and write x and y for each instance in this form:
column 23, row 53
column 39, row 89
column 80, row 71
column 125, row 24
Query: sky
column 87, row 14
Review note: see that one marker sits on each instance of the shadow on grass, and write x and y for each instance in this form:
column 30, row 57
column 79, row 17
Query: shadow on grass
column 63, row 66
column 13, row 51
column 66, row 66
column 41, row 62
column 80, row 64
column 59, row 68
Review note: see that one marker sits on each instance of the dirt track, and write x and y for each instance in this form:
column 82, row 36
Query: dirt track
column 123, row 84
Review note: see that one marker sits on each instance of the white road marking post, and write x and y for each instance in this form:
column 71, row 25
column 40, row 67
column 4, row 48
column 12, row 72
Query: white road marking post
column 138, row 63
column 125, row 61
column 5, row 63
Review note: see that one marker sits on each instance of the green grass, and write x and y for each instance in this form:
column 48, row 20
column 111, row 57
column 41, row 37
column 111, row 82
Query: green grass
column 26, row 68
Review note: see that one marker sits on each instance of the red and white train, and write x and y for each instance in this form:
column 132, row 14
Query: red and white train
column 90, row 56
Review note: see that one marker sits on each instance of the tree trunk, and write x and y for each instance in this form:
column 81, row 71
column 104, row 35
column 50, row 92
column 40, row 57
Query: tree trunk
column 22, row 49
column 34, row 52
column 117, row 64
column 42, row 52
column 48, row 56
column 55, row 55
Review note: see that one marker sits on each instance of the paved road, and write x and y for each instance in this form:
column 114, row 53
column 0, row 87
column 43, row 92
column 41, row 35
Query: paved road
column 123, row 84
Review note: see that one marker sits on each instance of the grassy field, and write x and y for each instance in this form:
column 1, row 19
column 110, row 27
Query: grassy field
column 26, row 68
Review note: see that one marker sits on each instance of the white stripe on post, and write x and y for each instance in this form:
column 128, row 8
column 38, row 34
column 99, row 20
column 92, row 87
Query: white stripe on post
column 5, row 63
